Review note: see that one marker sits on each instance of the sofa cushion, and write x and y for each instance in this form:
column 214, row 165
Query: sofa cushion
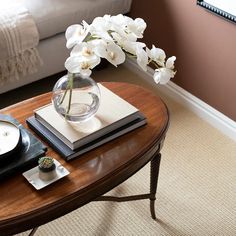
column 54, row 16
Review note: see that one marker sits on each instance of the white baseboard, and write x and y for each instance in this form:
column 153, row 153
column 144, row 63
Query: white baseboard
column 200, row 108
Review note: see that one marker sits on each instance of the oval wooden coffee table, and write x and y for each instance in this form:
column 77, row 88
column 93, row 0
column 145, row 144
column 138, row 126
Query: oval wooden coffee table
column 91, row 175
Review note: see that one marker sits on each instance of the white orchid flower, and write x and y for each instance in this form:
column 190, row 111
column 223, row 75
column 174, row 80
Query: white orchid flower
column 114, row 55
column 102, row 22
column 101, row 27
column 104, row 26
column 127, row 27
column 163, row 75
column 119, row 26
column 100, row 46
column 75, row 34
column 99, row 23
column 112, row 38
column 170, row 62
column 112, row 52
column 142, row 58
column 134, row 46
column 123, row 42
column 128, row 36
column 85, row 49
column 119, row 20
column 137, row 27
column 157, row 55
column 82, row 65
column 127, row 45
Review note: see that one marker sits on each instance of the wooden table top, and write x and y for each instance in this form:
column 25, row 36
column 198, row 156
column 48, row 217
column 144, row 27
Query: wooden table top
column 91, row 175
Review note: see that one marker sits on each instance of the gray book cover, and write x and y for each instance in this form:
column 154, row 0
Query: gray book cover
column 68, row 153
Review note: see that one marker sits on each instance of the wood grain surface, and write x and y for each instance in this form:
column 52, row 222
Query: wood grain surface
column 91, row 175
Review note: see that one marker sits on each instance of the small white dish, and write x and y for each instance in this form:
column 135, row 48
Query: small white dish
column 32, row 176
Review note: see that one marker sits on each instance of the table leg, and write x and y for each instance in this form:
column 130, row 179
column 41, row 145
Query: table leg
column 32, row 232
column 155, row 165
column 154, row 173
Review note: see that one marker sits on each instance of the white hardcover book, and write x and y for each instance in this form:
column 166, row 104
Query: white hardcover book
column 112, row 113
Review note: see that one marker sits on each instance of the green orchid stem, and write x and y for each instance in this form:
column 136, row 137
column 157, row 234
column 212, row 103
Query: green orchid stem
column 155, row 64
column 64, row 95
column 90, row 37
column 70, row 85
column 149, row 61
column 130, row 55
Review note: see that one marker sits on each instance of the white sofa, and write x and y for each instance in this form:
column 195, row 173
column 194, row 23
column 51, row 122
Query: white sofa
column 52, row 17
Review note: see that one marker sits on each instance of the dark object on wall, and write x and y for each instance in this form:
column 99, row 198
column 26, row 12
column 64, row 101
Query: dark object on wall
column 216, row 8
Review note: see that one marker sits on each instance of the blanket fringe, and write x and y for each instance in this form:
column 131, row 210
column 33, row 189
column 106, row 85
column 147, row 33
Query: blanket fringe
column 26, row 62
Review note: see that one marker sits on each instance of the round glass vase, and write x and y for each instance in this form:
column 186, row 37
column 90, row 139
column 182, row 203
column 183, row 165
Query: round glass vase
column 76, row 98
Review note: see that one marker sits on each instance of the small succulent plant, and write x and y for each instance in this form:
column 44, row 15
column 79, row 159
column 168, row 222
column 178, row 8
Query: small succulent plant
column 46, row 163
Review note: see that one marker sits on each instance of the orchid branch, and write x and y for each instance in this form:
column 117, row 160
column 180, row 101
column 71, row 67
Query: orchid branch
column 70, row 83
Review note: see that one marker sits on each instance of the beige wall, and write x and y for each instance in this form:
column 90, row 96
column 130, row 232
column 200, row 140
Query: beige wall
column 205, row 46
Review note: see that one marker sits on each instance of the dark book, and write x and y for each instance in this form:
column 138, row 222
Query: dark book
column 68, row 153
column 27, row 156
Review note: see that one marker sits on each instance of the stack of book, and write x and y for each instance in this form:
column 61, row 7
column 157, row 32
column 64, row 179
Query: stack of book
column 114, row 118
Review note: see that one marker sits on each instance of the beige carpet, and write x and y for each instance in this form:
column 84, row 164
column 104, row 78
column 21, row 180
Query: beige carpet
column 196, row 191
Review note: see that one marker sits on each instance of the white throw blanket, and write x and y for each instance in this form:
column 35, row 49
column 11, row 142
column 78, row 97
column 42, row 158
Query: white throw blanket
column 18, row 40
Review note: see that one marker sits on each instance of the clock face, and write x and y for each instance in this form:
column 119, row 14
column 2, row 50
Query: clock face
column 9, row 137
